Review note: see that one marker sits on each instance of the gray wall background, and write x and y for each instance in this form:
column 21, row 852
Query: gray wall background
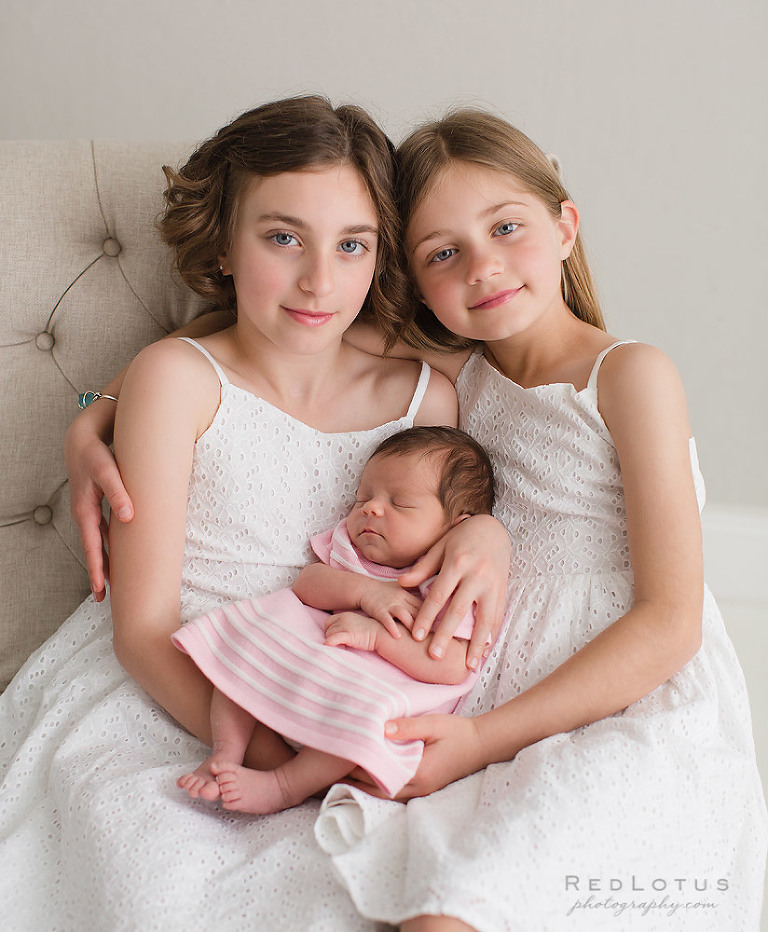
column 656, row 110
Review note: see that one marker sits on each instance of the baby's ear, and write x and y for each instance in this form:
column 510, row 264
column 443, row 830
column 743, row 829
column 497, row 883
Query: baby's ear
column 459, row 520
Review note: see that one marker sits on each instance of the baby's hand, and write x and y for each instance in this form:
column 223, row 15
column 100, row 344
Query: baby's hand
column 389, row 603
column 350, row 629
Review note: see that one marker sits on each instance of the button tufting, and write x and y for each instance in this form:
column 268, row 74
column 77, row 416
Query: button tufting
column 43, row 514
column 44, row 340
column 111, row 247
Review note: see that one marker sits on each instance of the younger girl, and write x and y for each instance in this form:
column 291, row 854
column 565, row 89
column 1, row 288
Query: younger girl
column 613, row 710
column 234, row 451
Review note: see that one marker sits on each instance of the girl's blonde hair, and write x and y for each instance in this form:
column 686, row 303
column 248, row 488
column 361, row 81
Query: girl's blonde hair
column 294, row 134
column 480, row 138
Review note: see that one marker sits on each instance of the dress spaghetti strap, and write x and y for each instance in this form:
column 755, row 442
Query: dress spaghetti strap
column 219, row 371
column 421, row 388
column 592, row 383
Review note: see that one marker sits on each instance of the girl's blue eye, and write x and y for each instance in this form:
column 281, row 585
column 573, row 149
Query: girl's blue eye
column 284, row 239
column 352, row 247
column 504, row 229
column 442, row 255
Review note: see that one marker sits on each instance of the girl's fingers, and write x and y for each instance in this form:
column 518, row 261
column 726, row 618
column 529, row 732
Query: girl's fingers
column 417, row 728
column 439, row 594
column 488, row 619
column 423, row 568
column 104, row 528
column 120, row 503
column 89, row 523
column 459, row 607
column 104, row 479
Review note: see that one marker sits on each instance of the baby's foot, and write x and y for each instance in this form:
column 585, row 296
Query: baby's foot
column 257, row 791
column 201, row 783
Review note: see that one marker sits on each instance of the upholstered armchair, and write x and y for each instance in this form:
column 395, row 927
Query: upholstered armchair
column 85, row 282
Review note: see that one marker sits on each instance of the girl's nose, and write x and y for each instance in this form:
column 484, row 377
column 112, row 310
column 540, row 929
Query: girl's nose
column 482, row 264
column 317, row 276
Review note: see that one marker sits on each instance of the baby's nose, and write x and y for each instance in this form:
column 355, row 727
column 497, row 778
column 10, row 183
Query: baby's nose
column 373, row 506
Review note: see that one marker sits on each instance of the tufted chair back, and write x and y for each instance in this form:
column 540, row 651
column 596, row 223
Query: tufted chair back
column 85, row 282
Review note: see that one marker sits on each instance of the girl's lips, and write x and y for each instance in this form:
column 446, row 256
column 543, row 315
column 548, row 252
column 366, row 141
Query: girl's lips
column 494, row 300
column 308, row 318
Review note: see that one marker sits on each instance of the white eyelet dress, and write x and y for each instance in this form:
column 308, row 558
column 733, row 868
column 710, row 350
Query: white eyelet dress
column 659, row 804
column 94, row 834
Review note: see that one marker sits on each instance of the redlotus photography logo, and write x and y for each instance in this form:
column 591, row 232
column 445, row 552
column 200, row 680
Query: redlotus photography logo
column 645, row 896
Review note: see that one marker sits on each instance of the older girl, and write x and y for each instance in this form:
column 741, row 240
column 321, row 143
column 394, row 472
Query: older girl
column 234, row 450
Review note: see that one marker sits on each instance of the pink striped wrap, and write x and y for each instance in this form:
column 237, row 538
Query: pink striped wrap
column 268, row 655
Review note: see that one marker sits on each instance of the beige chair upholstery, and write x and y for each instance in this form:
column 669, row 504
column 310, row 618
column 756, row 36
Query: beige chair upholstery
column 85, row 283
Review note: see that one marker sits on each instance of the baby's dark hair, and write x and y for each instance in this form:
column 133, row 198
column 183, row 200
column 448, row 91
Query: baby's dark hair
column 466, row 484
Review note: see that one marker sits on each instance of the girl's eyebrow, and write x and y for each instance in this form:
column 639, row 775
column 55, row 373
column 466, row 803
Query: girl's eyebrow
column 492, row 210
column 439, row 234
column 298, row 222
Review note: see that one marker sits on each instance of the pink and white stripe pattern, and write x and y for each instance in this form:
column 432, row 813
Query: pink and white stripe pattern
column 268, row 655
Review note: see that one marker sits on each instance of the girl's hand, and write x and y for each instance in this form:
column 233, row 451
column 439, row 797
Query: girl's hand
column 351, row 629
column 452, row 749
column 473, row 564
column 388, row 602
column 93, row 473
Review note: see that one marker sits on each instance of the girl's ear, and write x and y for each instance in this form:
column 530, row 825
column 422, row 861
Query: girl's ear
column 224, row 266
column 568, row 225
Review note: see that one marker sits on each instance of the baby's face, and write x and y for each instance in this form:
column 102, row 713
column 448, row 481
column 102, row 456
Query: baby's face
column 397, row 515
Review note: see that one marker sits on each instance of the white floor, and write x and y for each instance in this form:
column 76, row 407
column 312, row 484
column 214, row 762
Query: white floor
column 747, row 624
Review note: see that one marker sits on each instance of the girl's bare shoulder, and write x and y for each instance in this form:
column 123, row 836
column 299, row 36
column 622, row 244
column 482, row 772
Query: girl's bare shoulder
column 392, row 383
column 636, row 367
column 639, row 386
column 175, row 379
column 171, row 361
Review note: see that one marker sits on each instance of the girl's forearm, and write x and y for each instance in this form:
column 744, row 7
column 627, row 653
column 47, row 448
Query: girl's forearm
column 622, row 664
column 170, row 677
column 178, row 686
column 412, row 657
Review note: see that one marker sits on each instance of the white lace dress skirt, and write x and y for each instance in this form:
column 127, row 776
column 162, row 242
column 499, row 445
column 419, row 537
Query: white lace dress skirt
column 661, row 803
column 95, row 834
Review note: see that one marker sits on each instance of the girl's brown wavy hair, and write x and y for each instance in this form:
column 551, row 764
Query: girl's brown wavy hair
column 480, row 138
column 294, row 134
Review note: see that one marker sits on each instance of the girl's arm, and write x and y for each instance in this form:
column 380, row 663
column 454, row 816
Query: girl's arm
column 642, row 402
column 93, row 473
column 471, row 561
column 168, row 398
column 412, row 657
column 368, row 339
